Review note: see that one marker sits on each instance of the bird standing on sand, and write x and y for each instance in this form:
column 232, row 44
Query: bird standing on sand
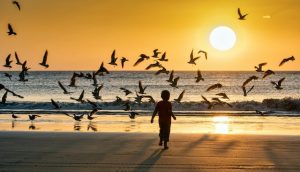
column 11, row 30
column 113, row 59
column 44, row 62
column 267, row 73
column 278, row 84
column 199, row 77
column 259, row 67
column 123, row 60
column 178, row 100
column 253, row 77
column 55, row 104
column 175, row 82
column 163, row 57
column 141, row 88
column 292, row 58
column 17, row 4
column 156, row 53
column 141, row 58
column 63, row 88
column 8, row 62
column 80, row 99
column 192, row 58
column 215, row 86
column 33, row 117
column 241, row 16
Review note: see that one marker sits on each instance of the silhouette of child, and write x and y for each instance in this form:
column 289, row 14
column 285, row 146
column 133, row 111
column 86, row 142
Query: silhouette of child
column 164, row 110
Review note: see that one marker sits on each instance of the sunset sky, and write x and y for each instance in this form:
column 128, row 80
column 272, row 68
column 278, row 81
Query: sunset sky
column 80, row 34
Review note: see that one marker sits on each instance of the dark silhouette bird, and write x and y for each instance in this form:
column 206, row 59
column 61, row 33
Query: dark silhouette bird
column 94, row 104
column 178, row 100
column 63, row 88
column 17, row 4
column 127, row 106
column 123, row 60
column 278, row 84
column 102, row 70
column 253, row 77
column 171, row 76
column 199, row 77
column 210, row 105
column 126, row 91
column 8, row 75
column 11, row 30
column 174, row 82
column 14, row 116
column 4, row 97
column 25, row 68
column 217, row 100
column 55, row 104
column 162, row 70
column 113, row 59
column 96, row 92
column 267, row 73
column 94, row 78
column 18, row 62
column 141, row 88
column 203, row 52
column 118, row 100
column 163, row 57
column 80, row 99
column 246, row 92
column 138, row 98
column 156, row 53
column 156, row 64
column 44, row 62
column 22, row 76
column 292, row 58
column 192, row 58
column 33, row 117
column 8, row 62
column 241, row 16
column 259, row 112
column 223, row 95
column 259, row 67
column 215, row 86
column 151, row 99
column 90, row 115
column 141, row 58
column 133, row 114
column 73, row 80
column 75, row 116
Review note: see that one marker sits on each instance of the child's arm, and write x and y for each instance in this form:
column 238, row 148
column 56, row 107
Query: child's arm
column 154, row 113
column 172, row 114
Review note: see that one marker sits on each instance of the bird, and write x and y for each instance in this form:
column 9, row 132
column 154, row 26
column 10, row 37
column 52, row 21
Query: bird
column 199, row 77
column 163, row 57
column 253, row 77
column 171, row 76
column 63, row 88
column 259, row 112
column 259, row 67
column 133, row 114
column 96, row 92
column 223, row 95
column 18, row 62
column 8, row 75
column 210, row 105
column 55, row 104
column 241, row 16
column 11, row 30
column 192, row 58
column 17, row 4
column 156, row 53
column 4, row 98
column 80, row 99
column 215, row 86
column 123, row 60
column 126, row 91
column 90, row 115
column 141, row 88
column 118, row 100
column 278, row 84
column 94, row 104
column 204, row 52
column 102, row 70
column 175, row 82
column 178, row 100
column 267, row 73
column 24, row 67
column 14, row 116
column 151, row 99
column 162, row 70
column 141, row 58
column 94, row 78
column 156, row 64
column 292, row 58
column 138, row 98
column 44, row 62
column 246, row 92
column 8, row 62
column 33, row 117
column 221, row 102
column 22, row 76
column 127, row 106
column 73, row 80
column 75, row 116
column 113, row 59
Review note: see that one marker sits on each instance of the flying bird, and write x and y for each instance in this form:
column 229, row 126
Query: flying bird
column 55, row 104
column 14, row 116
column 102, row 70
column 44, row 62
column 123, row 60
column 178, row 100
column 156, row 53
column 25, row 68
column 241, row 16
column 151, row 99
column 215, row 86
column 11, row 30
column 133, row 114
column 63, row 88
column 199, row 77
column 94, row 104
column 113, row 59
column 171, row 76
column 174, row 82
column 292, row 58
column 267, row 73
column 162, row 70
column 210, row 105
column 163, row 57
column 73, row 80
column 223, row 95
column 75, row 117
column 278, row 84
column 156, row 64
column 18, row 62
column 90, row 115
column 221, row 102
column 4, row 97
column 141, row 58
column 22, row 76
column 246, row 92
column 141, row 88
column 17, row 4
column 33, row 117
column 96, row 92
column 259, row 67
column 80, row 99
column 126, row 91
column 8, row 61
column 127, row 106
column 192, row 58
column 8, row 75
column 204, row 52
column 253, row 77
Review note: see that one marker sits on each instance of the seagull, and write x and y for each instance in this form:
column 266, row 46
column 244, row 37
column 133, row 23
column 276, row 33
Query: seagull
column 73, row 80
column 90, row 115
column 210, row 105
column 123, row 60
column 4, row 98
column 192, row 58
column 241, row 16
column 133, row 114
column 292, row 58
column 63, row 88
column 267, row 73
column 141, row 88
column 218, row 85
column 278, row 84
column 156, row 53
column 174, row 82
column 55, row 104
column 141, row 59
column 75, row 117
column 151, row 99
column 17, row 59
column 199, row 77
column 171, row 76
column 163, row 57
column 127, row 106
column 11, row 30
column 223, row 95
column 14, row 116
column 247, row 92
column 259, row 67
column 221, row 102
column 113, row 59
column 94, row 78
column 22, row 76
column 44, row 62
column 157, row 64
column 8, row 75
column 80, row 99
column 118, row 100
column 204, row 52
column 126, row 91
column 8, row 61
column 253, row 77
column 138, row 98
column 96, row 92
column 178, row 100
column 94, row 104
column 32, row 117
column 24, row 67
column 17, row 4
column 102, row 70
column 162, row 70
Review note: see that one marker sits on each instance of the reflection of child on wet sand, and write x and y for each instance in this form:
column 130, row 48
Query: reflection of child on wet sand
column 164, row 110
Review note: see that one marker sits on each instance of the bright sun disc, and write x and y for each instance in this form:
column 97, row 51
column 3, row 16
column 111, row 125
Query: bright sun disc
column 222, row 38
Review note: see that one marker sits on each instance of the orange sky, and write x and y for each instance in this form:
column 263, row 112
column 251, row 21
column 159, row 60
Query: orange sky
column 80, row 34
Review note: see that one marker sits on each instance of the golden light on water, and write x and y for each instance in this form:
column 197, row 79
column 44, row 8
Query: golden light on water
column 221, row 124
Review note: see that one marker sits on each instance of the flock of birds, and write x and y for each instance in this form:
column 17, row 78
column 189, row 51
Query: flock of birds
column 158, row 57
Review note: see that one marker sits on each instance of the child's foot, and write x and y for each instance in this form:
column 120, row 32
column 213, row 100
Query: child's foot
column 166, row 145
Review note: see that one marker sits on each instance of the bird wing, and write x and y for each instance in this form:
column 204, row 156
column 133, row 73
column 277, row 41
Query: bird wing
column 282, row 62
column 181, row 95
column 45, row 57
column 262, row 64
column 10, row 28
column 247, row 81
column 138, row 61
column 239, row 12
column 280, row 81
column 113, row 58
column 62, row 87
column 204, row 52
column 140, row 86
column 17, row 58
column 81, row 95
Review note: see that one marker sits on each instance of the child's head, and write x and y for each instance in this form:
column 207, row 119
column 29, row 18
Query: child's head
column 165, row 95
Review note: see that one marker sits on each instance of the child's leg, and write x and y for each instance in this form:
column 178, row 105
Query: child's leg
column 166, row 135
column 160, row 134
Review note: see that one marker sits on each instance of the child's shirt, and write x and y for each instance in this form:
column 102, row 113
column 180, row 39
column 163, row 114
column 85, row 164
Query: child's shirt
column 164, row 109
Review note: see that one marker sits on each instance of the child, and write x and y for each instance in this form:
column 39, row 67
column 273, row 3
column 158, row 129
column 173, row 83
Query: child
column 164, row 109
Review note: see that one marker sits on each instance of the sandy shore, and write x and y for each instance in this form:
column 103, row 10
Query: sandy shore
column 46, row 151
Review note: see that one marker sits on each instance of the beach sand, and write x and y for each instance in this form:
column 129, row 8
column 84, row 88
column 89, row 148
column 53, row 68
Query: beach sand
column 70, row 151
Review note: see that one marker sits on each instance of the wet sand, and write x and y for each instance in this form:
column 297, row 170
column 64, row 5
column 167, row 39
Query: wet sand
column 71, row 151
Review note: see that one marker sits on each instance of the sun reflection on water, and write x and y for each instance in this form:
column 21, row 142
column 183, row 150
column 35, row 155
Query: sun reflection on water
column 221, row 124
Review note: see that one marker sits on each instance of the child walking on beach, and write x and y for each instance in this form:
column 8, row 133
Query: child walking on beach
column 164, row 110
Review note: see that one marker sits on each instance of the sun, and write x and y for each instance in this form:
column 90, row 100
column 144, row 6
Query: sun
column 222, row 38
